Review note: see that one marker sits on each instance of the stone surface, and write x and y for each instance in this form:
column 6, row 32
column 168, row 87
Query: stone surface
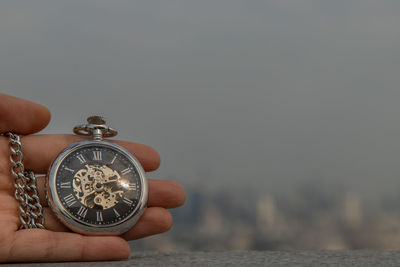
column 249, row 258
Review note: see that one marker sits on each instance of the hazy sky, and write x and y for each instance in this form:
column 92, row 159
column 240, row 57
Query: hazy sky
column 270, row 93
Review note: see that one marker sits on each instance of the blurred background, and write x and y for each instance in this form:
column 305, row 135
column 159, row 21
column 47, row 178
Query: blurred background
column 280, row 118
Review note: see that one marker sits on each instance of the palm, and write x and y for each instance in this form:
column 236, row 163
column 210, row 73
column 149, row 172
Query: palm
column 57, row 243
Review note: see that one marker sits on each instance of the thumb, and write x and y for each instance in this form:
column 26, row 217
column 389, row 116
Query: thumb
column 22, row 116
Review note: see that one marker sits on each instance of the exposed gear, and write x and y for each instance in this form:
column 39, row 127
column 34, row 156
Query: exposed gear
column 97, row 185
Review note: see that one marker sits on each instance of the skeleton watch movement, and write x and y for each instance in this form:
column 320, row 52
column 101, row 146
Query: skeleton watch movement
column 96, row 187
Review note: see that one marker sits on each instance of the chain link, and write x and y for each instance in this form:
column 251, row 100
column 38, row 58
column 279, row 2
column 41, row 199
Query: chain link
column 31, row 212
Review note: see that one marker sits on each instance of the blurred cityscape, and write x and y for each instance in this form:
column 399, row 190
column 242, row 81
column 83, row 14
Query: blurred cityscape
column 309, row 217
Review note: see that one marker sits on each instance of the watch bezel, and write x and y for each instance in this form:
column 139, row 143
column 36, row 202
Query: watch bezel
column 85, row 228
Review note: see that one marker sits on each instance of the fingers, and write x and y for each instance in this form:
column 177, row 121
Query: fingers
column 155, row 220
column 56, row 246
column 166, row 194
column 22, row 116
column 162, row 193
column 40, row 150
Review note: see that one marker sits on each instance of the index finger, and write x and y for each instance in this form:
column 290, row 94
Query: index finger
column 22, row 116
column 40, row 151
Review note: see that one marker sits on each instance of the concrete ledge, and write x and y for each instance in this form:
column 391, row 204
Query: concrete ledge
column 249, row 258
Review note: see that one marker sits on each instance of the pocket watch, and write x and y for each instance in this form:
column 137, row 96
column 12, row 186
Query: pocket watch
column 96, row 187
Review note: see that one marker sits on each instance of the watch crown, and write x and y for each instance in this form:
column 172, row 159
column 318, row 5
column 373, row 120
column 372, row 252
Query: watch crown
column 96, row 127
column 96, row 120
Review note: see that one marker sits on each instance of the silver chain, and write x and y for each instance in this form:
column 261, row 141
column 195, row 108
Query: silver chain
column 31, row 211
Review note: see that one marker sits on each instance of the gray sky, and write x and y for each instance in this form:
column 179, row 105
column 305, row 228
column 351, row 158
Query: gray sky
column 269, row 93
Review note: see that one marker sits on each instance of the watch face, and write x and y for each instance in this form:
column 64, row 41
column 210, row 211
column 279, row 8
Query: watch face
column 98, row 184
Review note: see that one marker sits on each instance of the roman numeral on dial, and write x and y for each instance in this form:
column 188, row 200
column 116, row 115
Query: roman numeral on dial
column 69, row 200
column 65, row 185
column 97, row 155
column 82, row 211
column 113, row 159
column 99, row 216
column 81, row 158
column 126, row 171
column 132, row 186
column 127, row 201
column 116, row 213
column 68, row 169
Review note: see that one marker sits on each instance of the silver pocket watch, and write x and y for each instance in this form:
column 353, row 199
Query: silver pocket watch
column 96, row 187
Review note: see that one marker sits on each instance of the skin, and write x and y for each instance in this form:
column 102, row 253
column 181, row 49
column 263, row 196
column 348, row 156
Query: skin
column 57, row 243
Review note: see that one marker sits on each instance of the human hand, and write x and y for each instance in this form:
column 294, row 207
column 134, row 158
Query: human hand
column 57, row 243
